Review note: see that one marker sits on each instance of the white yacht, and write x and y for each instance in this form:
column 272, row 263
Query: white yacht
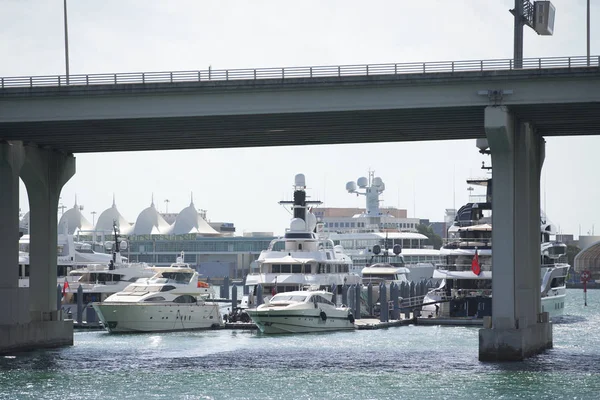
column 171, row 300
column 100, row 280
column 376, row 227
column 71, row 255
column 301, row 258
column 383, row 272
column 301, row 312
column 465, row 287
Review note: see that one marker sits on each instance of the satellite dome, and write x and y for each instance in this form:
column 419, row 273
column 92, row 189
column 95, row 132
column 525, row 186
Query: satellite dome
column 376, row 249
column 482, row 144
column 298, row 225
column 362, row 182
column 351, row 187
column 300, row 180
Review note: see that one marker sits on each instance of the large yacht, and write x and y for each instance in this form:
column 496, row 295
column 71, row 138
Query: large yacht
column 301, row 258
column 466, row 276
column 302, row 312
column 377, row 227
column 171, row 300
column 100, row 280
column 71, row 255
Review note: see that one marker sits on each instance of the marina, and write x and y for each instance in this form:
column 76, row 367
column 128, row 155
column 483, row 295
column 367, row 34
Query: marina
column 387, row 363
column 196, row 118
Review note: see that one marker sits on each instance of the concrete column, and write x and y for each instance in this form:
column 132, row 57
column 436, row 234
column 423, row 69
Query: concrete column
column 517, row 329
column 44, row 172
column 13, row 300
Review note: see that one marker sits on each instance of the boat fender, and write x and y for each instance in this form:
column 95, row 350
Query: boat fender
column 323, row 316
column 351, row 318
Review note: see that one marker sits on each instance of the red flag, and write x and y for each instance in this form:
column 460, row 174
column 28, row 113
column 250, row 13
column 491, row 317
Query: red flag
column 274, row 291
column 65, row 286
column 475, row 267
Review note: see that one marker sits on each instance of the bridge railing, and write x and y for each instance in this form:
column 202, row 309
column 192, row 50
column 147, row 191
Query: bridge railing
column 296, row 72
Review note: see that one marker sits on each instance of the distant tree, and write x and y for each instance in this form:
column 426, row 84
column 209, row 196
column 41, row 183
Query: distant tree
column 434, row 239
column 572, row 251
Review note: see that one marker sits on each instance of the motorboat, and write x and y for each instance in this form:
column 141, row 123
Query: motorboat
column 383, row 272
column 301, row 312
column 301, row 258
column 465, row 279
column 171, row 300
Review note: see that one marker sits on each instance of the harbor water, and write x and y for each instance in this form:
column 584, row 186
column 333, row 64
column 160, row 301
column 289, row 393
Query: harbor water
column 410, row 362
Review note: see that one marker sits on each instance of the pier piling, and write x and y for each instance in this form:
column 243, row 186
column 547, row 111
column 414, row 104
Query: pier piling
column 234, row 301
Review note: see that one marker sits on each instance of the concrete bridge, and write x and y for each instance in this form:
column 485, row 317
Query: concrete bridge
column 43, row 122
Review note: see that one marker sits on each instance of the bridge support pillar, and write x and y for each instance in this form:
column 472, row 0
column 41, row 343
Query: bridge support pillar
column 517, row 328
column 44, row 173
column 14, row 301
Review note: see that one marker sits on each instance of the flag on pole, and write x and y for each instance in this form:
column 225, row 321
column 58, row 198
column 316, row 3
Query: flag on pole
column 475, row 267
column 64, row 289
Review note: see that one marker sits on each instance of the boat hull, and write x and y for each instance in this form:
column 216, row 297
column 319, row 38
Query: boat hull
column 135, row 317
column 553, row 304
column 301, row 321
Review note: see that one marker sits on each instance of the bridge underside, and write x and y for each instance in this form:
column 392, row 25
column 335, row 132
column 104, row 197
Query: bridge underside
column 287, row 129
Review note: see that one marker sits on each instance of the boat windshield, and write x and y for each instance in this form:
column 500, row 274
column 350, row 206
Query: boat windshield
column 380, row 276
column 287, row 297
column 179, row 277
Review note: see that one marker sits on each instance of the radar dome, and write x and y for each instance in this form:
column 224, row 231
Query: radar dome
column 482, row 144
column 378, row 183
column 311, row 221
column 351, row 187
column 300, row 180
column 362, row 182
column 297, row 224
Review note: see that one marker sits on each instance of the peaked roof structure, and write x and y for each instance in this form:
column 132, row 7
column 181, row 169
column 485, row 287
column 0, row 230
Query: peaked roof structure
column 74, row 221
column 110, row 215
column 190, row 221
column 150, row 222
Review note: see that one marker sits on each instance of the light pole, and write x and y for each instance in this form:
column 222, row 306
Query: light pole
column 167, row 201
column 66, row 41
column 538, row 15
column 93, row 218
column 588, row 33
column 518, row 45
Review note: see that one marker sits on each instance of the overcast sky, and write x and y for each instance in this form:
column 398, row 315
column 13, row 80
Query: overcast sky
column 243, row 186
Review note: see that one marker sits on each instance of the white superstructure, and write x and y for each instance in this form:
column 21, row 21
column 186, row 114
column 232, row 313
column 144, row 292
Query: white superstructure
column 301, row 258
column 378, row 227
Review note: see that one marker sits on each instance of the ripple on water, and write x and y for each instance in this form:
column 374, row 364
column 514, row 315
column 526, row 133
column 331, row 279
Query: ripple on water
column 400, row 363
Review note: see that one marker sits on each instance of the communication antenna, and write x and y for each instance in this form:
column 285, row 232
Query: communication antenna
column 454, row 187
column 414, row 199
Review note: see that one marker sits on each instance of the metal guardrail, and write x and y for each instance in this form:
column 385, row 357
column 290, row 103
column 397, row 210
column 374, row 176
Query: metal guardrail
column 296, row 72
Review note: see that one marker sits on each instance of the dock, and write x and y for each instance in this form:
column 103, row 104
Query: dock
column 454, row 321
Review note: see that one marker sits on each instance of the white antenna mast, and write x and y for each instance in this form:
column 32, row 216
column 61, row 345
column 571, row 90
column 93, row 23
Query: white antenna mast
column 454, row 187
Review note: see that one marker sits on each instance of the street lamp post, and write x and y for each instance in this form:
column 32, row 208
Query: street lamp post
column 588, row 32
column 538, row 15
column 66, row 41
column 93, row 218
column 518, row 45
column 167, row 201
